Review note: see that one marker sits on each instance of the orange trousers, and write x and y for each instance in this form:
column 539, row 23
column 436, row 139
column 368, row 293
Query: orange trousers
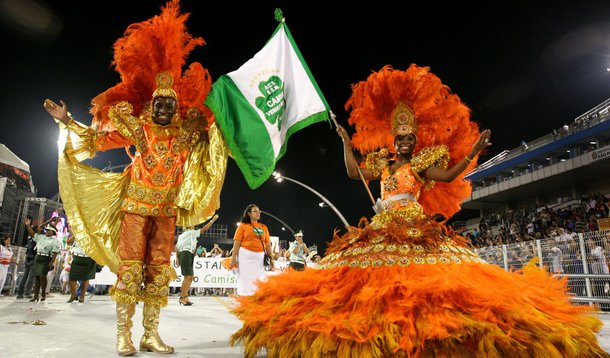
column 145, row 249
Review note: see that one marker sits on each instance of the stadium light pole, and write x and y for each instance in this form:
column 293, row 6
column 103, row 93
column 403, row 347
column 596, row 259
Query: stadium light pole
column 279, row 178
column 278, row 219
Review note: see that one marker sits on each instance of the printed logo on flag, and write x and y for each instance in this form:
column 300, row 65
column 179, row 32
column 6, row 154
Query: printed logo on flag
column 272, row 104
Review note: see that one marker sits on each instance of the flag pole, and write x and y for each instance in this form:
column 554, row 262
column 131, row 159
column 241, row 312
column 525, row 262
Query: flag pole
column 368, row 190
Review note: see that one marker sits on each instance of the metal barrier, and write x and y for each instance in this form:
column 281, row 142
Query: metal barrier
column 582, row 258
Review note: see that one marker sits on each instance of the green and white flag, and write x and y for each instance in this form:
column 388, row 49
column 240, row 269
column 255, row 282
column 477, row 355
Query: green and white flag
column 260, row 105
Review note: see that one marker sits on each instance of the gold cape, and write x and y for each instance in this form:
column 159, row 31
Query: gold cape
column 92, row 198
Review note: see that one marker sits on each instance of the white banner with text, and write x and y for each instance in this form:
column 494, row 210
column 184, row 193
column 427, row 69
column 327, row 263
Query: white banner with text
column 208, row 273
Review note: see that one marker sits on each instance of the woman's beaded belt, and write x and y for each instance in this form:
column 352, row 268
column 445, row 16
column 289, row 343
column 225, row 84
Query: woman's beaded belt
column 380, row 205
column 80, row 255
column 43, row 254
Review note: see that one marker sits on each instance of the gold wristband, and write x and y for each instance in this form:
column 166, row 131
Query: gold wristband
column 468, row 159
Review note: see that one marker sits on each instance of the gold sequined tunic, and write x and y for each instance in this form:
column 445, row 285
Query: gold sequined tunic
column 173, row 173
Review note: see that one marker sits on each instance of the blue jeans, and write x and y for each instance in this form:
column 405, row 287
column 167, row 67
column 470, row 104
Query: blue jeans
column 26, row 281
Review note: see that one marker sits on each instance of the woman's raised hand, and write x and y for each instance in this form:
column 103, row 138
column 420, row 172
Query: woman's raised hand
column 59, row 112
column 483, row 142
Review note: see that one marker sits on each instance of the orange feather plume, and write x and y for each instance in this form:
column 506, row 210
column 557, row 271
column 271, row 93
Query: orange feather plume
column 442, row 118
column 161, row 43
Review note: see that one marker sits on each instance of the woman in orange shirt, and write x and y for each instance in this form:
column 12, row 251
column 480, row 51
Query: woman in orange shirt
column 250, row 242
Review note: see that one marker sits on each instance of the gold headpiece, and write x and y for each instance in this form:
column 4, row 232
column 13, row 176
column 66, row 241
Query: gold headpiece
column 165, row 81
column 403, row 120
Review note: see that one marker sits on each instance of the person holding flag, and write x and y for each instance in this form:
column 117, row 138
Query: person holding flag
column 405, row 284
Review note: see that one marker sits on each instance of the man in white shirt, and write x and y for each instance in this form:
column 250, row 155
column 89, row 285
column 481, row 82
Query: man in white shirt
column 298, row 250
column 185, row 253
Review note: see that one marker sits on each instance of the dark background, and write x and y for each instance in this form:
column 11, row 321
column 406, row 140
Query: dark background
column 524, row 68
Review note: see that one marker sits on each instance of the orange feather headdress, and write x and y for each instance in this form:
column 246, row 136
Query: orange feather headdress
column 158, row 45
column 440, row 119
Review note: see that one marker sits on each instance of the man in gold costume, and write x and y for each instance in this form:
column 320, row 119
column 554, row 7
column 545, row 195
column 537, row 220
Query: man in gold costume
column 127, row 220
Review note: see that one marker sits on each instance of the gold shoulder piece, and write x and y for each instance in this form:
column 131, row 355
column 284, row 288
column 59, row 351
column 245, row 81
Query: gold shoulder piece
column 437, row 156
column 376, row 162
column 128, row 126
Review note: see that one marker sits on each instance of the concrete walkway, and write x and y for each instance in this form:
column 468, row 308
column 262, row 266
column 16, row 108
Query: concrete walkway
column 88, row 329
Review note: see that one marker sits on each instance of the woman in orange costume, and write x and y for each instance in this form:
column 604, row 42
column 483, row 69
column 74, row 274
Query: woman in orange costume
column 127, row 220
column 405, row 285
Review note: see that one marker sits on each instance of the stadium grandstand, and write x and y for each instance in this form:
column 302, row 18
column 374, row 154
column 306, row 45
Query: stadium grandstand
column 548, row 200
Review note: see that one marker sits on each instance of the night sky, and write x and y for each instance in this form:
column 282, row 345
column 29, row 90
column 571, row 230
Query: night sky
column 524, row 68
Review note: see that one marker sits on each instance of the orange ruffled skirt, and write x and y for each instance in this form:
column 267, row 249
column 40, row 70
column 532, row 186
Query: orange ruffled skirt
column 387, row 292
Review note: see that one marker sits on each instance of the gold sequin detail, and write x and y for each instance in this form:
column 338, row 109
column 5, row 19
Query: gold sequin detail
column 376, row 162
column 168, row 162
column 149, row 161
column 151, row 195
column 131, row 275
column 378, row 239
column 390, row 184
column 437, row 156
column 158, row 178
column 133, row 206
column 409, row 213
column 414, row 232
column 161, row 148
column 156, row 290
column 378, row 255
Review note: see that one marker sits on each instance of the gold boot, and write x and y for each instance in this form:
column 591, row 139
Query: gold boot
column 151, row 341
column 124, row 312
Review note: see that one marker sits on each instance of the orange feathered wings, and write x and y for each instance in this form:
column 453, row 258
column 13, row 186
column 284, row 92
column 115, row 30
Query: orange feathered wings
column 442, row 118
column 161, row 43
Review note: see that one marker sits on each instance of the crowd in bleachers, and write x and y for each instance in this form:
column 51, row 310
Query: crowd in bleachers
column 519, row 225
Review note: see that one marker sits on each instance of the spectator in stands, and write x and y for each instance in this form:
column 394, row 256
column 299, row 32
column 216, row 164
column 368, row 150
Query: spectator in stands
column 573, row 265
column 201, row 251
column 530, row 228
column 524, row 146
column 250, row 241
column 527, row 253
column 185, row 253
column 556, row 260
column 475, row 234
column 593, row 224
column 6, row 259
column 514, row 229
column 599, row 265
column 27, row 280
column 47, row 247
column 216, row 252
